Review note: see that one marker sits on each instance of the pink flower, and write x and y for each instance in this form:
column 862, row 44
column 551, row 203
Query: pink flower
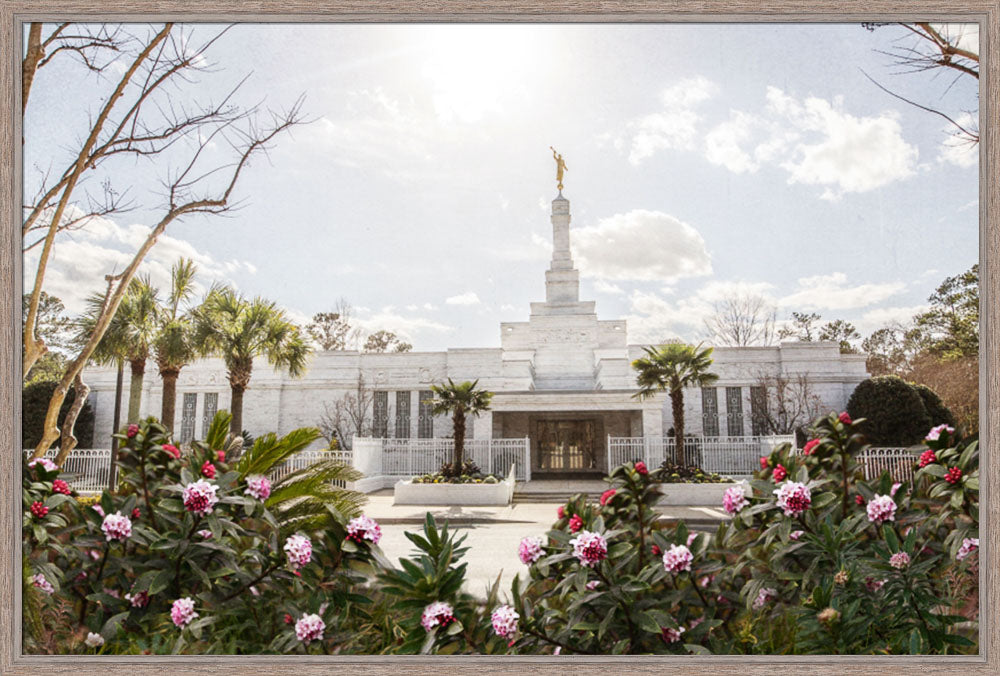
column 844, row 418
column 39, row 510
column 557, row 650
column 60, row 486
column 779, row 473
column 530, row 549
column 899, row 560
column 953, row 476
column 656, row 550
column 895, row 487
column 182, row 612
column 298, row 548
column 136, row 513
column 172, row 450
column 364, row 528
column 859, row 499
column 691, row 538
column 810, row 446
column 220, row 456
column 589, row 548
column 575, row 523
column 927, row 457
column 592, row 585
column 138, row 600
column 199, row 497
column 208, row 470
column 437, row 614
column 607, row 495
column 640, row 467
column 505, row 621
column 881, row 508
column 935, row 432
column 695, row 622
column 117, row 527
column 132, row 431
column 763, row 462
column 46, row 464
column 287, row 618
column 671, row 635
column 677, row 558
column 40, row 582
column 258, row 486
column 560, row 512
column 795, row 534
column 793, row 498
column 734, row 500
column 97, row 508
column 969, row 545
column 205, row 533
column 873, row 585
column 764, row 596
column 309, row 628
column 707, row 580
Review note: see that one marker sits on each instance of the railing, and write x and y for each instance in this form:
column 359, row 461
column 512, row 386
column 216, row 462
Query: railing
column 731, row 456
column 740, row 456
column 412, row 457
column 86, row 469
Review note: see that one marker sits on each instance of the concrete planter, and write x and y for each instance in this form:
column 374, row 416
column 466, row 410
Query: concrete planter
column 409, row 493
column 699, row 495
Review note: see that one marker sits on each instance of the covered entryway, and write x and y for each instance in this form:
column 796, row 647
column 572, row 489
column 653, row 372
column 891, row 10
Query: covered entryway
column 567, row 445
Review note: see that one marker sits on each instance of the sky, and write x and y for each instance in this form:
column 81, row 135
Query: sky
column 702, row 161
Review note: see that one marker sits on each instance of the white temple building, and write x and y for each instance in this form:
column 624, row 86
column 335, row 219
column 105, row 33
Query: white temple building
column 562, row 380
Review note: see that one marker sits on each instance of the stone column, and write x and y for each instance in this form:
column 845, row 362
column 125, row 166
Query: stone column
column 652, row 420
column 482, row 425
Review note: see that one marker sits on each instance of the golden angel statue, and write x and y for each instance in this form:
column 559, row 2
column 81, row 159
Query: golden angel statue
column 560, row 167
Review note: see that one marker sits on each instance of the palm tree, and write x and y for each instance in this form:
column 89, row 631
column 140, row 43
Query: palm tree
column 237, row 329
column 129, row 336
column 460, row 400
column 670, row 368
column 175, row 345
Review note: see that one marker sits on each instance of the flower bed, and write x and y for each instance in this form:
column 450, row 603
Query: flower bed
column 697, row 494
column 413, row 492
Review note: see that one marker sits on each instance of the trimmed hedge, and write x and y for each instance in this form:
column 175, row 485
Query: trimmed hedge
column 35, row 403
column 893, row 409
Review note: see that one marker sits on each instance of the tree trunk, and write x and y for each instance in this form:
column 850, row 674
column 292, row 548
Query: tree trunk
column 135, row 389
column 81, row 390
column 459, row 430
column 113, row 470
column 236, row 408
column 167, row 410
column 677, row 406
column 32, row 57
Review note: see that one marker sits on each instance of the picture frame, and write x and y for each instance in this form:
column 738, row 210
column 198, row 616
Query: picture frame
column 985, row 12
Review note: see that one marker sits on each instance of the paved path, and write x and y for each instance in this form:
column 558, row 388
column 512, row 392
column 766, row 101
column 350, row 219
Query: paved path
column 493, row 533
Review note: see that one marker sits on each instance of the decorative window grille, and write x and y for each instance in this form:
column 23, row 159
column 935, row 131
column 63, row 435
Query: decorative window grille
column 402, row 415
column 188, row 410
column 734, row 411
column 425, row 420
column 380, row 415
column 758, row 411
column 709, row 411
column 211, row 408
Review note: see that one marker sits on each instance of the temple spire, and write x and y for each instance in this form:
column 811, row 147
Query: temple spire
column 562, row 281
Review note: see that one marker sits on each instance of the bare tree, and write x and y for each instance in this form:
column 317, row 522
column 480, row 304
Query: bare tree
column 923, row 47
column 790, row 402
column 742, row 319
column 131, row 122
column 348, row 416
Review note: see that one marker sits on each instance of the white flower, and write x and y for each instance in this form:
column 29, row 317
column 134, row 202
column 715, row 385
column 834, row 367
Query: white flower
column 309, row 628
column 94, row 640
column 881, row 508
column 117, row 527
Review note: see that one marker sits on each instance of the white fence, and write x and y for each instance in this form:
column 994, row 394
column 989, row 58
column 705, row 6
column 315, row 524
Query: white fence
column 730, row 456
column 87, row 469
column 405, row 458
column 740, row 456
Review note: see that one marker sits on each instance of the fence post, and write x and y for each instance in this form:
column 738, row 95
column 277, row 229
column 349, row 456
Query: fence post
column 527, row 459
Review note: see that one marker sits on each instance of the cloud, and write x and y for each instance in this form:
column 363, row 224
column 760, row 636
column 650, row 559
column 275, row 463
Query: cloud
column 406, row 327
column 887, row 316
column 957, row 149
column 467, row 298
column 675, row 125
column 833, row 293
column 816, row 142
column 641, row 245
column 606, row 287
column 81, row 258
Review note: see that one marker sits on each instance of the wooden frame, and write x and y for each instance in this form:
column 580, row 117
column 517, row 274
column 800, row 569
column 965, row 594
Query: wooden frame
column 985, row 12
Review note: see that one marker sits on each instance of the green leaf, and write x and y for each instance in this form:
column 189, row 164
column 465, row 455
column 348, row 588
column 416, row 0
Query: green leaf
column 697, row 649
column 648, row 623
column 890, row 538
column 110, row 628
